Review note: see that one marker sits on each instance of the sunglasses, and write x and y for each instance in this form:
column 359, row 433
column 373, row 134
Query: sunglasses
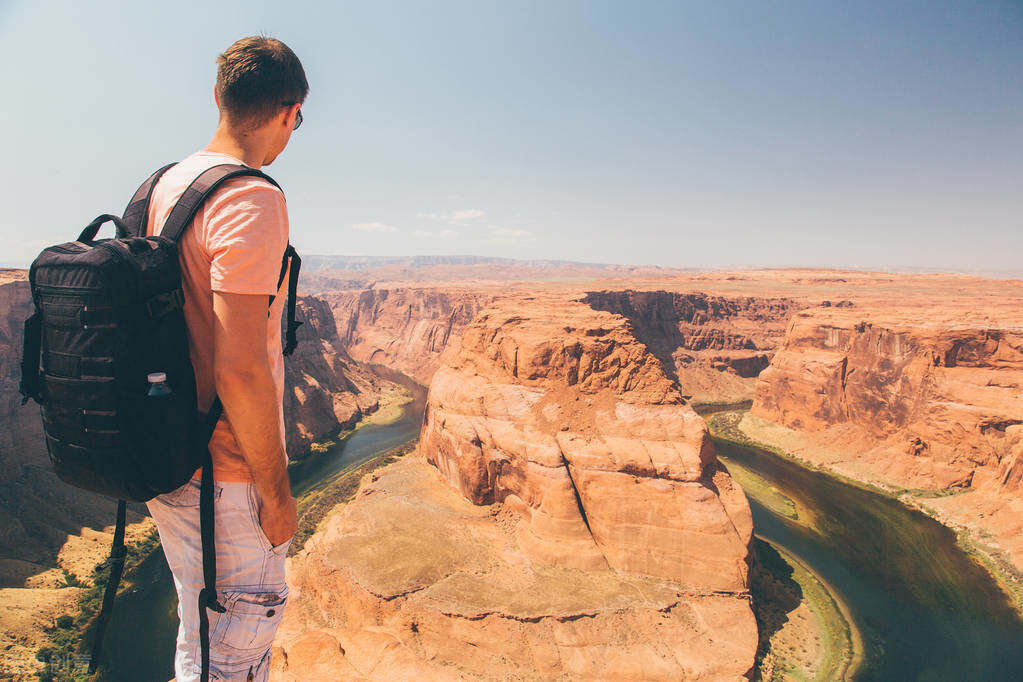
column 298, row 115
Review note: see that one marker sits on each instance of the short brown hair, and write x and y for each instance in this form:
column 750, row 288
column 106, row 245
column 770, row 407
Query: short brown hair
column 256, row 76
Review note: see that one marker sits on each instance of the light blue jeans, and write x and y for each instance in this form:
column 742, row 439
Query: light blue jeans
column 250, row 580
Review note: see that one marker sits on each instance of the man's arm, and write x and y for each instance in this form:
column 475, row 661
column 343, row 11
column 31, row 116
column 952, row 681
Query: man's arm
column 246, row 388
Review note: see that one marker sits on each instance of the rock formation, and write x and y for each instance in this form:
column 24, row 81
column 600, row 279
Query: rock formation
column 714, row 345
column 916, row 397
column 325, row 389
column 577, row 524
column 406, row 328
column 938, row 398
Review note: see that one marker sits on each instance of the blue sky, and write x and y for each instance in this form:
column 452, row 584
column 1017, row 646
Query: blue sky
column 691, row 134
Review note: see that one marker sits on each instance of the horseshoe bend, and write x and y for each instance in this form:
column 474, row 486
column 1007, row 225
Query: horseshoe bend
column 576, row 505
column 566, row 516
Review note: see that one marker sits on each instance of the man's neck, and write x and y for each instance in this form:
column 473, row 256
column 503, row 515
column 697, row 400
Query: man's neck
column 249, row 147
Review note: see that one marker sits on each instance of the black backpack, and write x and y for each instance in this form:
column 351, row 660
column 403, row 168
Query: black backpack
column 108, row 313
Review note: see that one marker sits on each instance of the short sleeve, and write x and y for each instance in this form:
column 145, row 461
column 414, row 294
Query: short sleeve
column 246, row 230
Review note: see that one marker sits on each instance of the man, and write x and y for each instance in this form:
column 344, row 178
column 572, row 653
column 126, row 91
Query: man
column 230, row 262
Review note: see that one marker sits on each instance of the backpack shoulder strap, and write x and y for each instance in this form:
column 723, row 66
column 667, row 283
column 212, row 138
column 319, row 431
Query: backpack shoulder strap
column 136, row 215
column 201, row 188
column 290, row 257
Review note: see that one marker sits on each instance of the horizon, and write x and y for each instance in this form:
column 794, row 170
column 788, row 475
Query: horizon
column 1008, row 275
column 871, row 137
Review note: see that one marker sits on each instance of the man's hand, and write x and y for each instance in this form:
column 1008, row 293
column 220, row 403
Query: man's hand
column 279, row 522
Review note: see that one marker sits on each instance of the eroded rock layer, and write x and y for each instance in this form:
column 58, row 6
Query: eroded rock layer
column 912, row 399
column 411, row 581
column 558, row 411
column 938, row 397
column 714, row 345
column 404, row 328
column 325, row 389
column 574, row 524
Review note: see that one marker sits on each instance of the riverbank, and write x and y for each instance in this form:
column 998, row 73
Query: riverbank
column 806, row 631
column 391, row 406
column 746, row 429
column 314, row 506
column 926, row 608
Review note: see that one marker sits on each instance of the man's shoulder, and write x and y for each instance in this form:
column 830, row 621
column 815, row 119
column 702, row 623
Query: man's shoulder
column 194, row 165
column 256, row 193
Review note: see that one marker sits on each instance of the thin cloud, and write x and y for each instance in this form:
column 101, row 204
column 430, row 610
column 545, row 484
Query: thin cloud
column 457, row 218
column 467, row 215
column 374, row 227
column 509, row 235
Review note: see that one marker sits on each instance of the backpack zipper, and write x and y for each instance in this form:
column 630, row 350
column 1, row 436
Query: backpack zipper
column 57, row 289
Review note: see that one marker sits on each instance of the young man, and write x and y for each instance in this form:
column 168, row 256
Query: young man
column 230, row 263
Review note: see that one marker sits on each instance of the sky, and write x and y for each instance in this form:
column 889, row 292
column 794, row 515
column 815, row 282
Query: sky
column 683, row 134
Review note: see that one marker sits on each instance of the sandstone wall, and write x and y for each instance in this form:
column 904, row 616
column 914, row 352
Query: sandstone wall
column 566, row 518
column 557, row 411
column 714, row 345
column 407, row 328
column 325, row 389
column 939, row 397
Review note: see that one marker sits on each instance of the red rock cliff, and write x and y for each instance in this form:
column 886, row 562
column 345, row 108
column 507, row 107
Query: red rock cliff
column 575, row 524
column 406, row 329
column 917, row 398
column 939, row 396
column 714, row 345
column 325, row 389
column 557, row 410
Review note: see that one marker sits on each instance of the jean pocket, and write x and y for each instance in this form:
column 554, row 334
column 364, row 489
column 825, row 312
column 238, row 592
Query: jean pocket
column 245, row 631
column 185, row 496
column 280, row 550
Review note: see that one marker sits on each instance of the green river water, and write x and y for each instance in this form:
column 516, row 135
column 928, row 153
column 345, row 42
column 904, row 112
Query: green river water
column 925, row 609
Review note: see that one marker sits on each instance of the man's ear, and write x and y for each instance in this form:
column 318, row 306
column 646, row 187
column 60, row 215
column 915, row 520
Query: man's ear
column 216, row 98
column 289, row 115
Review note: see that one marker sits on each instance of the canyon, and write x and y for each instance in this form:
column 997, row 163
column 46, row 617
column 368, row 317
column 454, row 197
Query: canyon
column 876, row 371
column 565, row 513
column 326, row 390
column 565, row 517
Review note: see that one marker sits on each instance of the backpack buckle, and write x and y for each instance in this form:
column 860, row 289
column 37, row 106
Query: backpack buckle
column 164, row 303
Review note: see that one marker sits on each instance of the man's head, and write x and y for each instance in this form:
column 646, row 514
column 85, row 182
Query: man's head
column 260, row 89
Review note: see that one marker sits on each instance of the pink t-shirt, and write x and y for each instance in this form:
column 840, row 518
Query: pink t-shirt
column 234, row 245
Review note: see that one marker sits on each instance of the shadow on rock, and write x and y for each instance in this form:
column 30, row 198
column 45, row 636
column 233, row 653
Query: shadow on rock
column 775, row 595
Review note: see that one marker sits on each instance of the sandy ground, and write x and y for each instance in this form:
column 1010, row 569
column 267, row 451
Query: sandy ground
column 31, row 608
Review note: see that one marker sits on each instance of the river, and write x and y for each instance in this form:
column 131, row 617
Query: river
column 925, row 609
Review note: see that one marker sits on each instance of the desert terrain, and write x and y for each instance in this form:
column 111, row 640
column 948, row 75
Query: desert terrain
column 565, row 514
